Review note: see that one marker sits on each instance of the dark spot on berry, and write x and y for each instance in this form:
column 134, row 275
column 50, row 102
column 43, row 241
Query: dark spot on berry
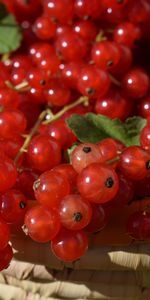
column 26, row 1
column 148, row 164
column 90, row 91
column 36, row 184
column 86, row 149
column 120, row 1
column 77, row 216
column 109, row 182
column 42, row 82
column 109, row 63
column 22, row 204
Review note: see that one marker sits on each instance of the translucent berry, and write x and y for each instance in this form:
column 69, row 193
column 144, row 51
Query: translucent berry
column 50, row 188
column 41, row 224
column 85, row 154
column 75, row 213
column 69, row 245
column 98, row 183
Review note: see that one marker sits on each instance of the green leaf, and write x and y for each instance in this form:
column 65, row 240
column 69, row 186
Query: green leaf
column 10, row 32
column 84, row 129
column 94, row 128
column 133, row 127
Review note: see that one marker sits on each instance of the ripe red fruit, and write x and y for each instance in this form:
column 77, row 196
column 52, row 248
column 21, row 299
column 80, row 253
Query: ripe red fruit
column 110, row 148
column 12, row 122
column 84, row 155
column 136, row 83
column 75, row 213
column 106, row 54
column 70, row 46
column 138, row 225
column 135, row 163
column 57, row 94
column 44, row 28
column 98, row 183
column 44, row 152
column 93, row 82
column 13, row 206
column 41, row 224
column 99, row 220
column 50, row 188
column 69, row 245
column 127, row 34
column 114, row 105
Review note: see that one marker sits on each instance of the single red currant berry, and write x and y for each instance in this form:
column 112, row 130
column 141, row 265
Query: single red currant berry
column 114, row 105
column 70, row 46
column 86, row 29
column 13, row 206
column 136, row 83
column 50, row 188
column 127, row 34
column 138, row 225
column 69, row 245
column 12, row 122
column 44, row 28
column 75, row 213
column 57, row 93
column 135, row 163
column 41, row 224
column 98, row 183
column 60, row 11
column 144, row 107
column 106, row 54
column 44, row 152
column 110, row 148
column 99, row 220
column 93, row 82
column 85, row 154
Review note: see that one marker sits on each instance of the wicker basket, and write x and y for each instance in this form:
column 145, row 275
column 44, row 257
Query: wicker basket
column 118, row 271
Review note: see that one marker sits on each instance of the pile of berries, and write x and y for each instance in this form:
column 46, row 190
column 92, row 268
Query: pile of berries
column 76, row 57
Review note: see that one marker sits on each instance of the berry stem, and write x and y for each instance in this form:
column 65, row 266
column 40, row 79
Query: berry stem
column 21, row 87
column 81, row 100
column 47, row 113
column 115, row 81
column 113, row 160
column 29, row 137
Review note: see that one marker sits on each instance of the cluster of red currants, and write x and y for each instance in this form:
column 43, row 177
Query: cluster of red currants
column 92, row 51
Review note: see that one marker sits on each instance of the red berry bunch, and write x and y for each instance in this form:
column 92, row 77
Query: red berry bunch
column 74, row 120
